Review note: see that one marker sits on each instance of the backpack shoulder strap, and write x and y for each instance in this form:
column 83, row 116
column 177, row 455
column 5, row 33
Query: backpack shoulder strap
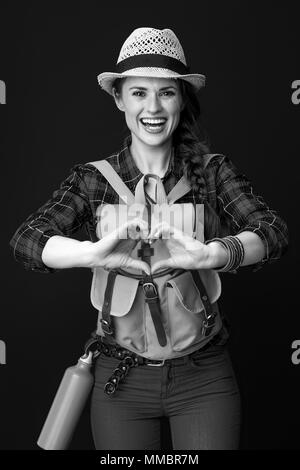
column 114, row 180
column 180, row 189
column 183, row 186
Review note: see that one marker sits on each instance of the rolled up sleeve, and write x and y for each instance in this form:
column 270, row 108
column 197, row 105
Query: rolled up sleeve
column 63, row 214
column 243, row 210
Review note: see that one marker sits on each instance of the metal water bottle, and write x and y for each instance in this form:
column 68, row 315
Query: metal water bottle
column 68, row 405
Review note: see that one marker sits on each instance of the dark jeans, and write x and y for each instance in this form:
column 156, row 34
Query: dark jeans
column 199, row 395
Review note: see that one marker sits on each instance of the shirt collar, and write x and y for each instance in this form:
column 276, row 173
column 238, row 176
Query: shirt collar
column 131, row 173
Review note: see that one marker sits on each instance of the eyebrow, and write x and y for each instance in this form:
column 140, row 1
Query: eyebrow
column 143, row 88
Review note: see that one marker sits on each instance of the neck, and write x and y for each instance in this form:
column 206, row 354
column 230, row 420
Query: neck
column 150, row 159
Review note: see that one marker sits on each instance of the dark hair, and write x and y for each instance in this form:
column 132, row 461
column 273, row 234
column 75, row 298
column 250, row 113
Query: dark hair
column 190, row 139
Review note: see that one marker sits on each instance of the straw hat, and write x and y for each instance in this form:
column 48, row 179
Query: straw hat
column 150, row 52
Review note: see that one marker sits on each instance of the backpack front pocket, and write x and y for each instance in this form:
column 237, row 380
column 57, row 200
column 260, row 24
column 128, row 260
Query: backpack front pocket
column 127, row 309
column 186, row 311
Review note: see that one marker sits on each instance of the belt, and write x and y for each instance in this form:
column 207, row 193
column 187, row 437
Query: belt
column 129, row 359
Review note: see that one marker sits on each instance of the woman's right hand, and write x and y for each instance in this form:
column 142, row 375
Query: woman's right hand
column 114, row 250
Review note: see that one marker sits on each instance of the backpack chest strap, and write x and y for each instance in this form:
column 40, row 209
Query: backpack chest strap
column 106, row 317
column 209, row 314
column 151, row 294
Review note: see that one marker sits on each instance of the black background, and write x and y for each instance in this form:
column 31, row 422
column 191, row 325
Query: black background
column 56, row 116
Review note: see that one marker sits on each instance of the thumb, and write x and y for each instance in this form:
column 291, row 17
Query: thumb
column 161, row 264
column 141, row 265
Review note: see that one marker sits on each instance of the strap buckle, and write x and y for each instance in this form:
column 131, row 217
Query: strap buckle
column 159, row 363
column 150, row 291
column 208, row 323
column 106, row 327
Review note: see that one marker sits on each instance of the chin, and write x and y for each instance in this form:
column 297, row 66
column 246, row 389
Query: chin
column 155, row 139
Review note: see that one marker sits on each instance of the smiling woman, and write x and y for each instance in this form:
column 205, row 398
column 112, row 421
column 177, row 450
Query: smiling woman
column 157, row 287
column 152, row 108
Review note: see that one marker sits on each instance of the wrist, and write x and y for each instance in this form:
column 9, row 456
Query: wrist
column 235, row 252
column 88, row 254
column 63, row 252
column 219, row 255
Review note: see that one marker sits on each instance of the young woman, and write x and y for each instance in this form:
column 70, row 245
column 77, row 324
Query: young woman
column 179, row 363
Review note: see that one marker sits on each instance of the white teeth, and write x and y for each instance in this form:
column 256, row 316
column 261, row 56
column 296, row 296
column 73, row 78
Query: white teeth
column 153, row 121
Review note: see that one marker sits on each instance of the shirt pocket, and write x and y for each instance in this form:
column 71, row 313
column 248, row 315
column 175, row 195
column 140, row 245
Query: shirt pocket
column 127, row 309
column 186, row 311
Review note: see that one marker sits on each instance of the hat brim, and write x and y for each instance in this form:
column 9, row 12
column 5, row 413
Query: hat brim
column 106, row 79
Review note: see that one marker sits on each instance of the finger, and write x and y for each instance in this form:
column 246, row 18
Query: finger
column 141, row 265
column 137, row 229
column 168, row 263
column 161, row 230
column 130, row 229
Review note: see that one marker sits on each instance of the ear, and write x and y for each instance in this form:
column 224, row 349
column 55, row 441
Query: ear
column 118, row 100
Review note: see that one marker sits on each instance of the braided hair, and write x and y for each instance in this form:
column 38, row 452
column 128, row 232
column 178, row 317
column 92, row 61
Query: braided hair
column 190, row 139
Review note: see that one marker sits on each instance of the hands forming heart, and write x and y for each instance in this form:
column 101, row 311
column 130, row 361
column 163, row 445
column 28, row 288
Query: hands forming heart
column 114, row 250
column 185, row 251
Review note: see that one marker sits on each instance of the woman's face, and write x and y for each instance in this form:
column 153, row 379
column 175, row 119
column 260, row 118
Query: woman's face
column 152, row 108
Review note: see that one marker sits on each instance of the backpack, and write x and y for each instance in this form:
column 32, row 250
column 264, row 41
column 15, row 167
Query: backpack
column 172, row 312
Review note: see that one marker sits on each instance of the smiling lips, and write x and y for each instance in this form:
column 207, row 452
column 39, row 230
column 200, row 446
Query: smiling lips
column 154, row 125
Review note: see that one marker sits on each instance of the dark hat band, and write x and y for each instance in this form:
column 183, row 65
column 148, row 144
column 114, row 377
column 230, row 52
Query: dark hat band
column 152, row 60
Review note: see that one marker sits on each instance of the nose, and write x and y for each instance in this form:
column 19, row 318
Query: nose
column 154, row 103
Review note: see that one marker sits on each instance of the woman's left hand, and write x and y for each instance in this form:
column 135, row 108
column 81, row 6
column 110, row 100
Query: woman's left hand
column 185, row 251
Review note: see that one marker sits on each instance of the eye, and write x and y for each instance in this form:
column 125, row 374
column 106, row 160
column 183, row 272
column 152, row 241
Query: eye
column 138, row 93
column 168, row 93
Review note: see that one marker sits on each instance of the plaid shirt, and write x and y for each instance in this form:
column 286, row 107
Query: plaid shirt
column 226, row 192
